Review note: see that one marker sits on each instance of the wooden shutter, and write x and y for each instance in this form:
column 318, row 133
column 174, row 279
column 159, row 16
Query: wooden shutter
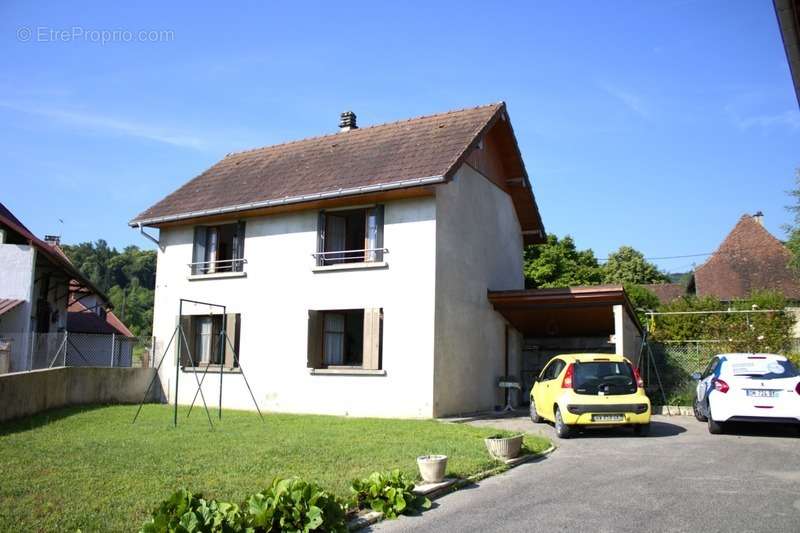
column 187, row 324
column 232, row 328
column 314, row 339
column 199, row 251
column 320, row 237
column 238, row 247
column 372, row 338
column 379, row 224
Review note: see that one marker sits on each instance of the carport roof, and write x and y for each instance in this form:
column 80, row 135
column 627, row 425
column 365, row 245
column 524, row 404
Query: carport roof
column 564, row 312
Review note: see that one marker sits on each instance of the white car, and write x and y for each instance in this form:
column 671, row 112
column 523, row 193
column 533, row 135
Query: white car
column 747, row 387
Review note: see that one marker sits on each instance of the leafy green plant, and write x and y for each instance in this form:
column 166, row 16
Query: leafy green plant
column 391, row 493
column 184, row 512
column 291, row 505
column 295, row 505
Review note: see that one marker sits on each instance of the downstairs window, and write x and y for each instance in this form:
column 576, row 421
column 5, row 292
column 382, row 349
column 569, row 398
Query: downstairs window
column 345, row 338
column 202, row 344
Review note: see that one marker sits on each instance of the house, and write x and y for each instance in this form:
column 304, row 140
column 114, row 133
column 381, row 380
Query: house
column 362, row 272
column 749, row 259
column 37, row 286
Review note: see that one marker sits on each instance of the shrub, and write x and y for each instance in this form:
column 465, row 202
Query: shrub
column 295, row 505
column 388, row 492
column 291, row 505
column 184, row 512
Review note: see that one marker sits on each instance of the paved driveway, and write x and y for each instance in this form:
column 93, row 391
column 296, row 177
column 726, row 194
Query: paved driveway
column 680, row 478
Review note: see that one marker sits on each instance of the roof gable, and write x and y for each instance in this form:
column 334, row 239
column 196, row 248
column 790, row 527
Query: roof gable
column 411, row 153
column 749, row 259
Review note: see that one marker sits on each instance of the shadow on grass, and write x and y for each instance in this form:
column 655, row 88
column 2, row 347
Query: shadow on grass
column 28, row 423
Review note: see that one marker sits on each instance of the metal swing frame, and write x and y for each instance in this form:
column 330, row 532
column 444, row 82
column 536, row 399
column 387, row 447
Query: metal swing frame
column 183, row 341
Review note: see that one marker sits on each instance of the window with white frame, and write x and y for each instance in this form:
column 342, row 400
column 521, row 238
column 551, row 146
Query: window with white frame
column 203, row 344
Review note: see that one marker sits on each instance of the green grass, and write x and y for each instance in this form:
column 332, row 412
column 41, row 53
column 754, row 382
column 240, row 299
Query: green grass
column 92, row 469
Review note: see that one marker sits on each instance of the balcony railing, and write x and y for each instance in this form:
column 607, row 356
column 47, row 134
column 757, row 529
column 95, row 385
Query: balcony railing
column 216, row 267
column 365, row 255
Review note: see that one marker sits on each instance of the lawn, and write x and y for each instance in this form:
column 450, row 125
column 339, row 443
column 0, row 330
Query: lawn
column 91, row 469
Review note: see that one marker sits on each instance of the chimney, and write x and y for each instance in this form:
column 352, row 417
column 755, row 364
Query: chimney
column 347, row 121
column 759, row 217
column 52, row 240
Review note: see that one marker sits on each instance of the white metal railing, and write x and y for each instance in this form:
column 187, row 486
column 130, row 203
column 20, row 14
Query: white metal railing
column 364, row 255
column 220, row 265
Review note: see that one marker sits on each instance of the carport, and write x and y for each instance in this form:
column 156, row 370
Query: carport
column 570, row 320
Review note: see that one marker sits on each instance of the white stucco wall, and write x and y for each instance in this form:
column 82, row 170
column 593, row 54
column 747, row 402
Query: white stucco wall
column 16, row 281
column 479, row 247
column 628, row 340
column 274, row 299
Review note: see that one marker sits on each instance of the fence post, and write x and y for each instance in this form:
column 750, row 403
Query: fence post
column 112, row 350
column 66, row 346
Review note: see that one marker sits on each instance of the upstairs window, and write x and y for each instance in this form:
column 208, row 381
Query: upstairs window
column 218, row 249
column 350, row 236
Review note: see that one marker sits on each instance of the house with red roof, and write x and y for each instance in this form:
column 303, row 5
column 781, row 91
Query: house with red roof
column 42, row 296
column 749, row 259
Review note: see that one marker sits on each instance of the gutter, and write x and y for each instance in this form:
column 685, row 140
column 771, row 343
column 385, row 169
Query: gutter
column 288, row 200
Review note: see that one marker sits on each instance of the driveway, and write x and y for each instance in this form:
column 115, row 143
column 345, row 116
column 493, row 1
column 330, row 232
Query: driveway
column 680, row 478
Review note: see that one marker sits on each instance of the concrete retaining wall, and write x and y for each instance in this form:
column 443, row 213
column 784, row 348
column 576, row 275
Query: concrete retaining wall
column 27, row 393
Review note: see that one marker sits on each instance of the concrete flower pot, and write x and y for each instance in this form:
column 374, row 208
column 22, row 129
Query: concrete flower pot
column 432, row 467
column 504, row 447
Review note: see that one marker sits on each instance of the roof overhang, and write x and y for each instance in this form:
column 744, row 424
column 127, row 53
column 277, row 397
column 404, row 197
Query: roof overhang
column 567, row 312
column 7, row 304
column 788, row 13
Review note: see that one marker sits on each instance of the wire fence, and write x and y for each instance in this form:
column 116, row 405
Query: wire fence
column 49, row 350
column 676, row 361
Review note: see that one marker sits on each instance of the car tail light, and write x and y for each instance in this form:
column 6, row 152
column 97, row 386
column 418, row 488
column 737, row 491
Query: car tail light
column 567, row 383
column 797, row 388
column 637, row 377
column 721, row 386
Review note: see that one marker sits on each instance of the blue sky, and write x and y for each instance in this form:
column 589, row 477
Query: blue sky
column 652, row 124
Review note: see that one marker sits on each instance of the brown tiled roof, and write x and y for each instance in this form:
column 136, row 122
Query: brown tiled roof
column 409, row 153
column 667, row 292
column 749, row 259
column 7, row 304
column 82, row 320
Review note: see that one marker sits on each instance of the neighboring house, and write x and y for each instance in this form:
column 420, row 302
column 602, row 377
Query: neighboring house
column 356, row 268
column 37, row 284
column 95, row 333
column 749, row 259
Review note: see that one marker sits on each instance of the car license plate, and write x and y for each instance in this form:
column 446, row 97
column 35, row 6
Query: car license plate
column 762, row 393
column 608, row 418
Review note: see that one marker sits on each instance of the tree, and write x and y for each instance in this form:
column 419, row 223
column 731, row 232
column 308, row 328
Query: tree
column 628, row 266
column 642, row 300
column 793, row 229
column 558, row 263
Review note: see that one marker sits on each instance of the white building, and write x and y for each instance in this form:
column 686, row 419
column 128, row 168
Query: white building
column 354, row 268
column 39, row 288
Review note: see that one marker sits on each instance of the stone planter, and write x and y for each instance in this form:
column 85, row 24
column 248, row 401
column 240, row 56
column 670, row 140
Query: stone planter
column 504, row 448
column 432, row 467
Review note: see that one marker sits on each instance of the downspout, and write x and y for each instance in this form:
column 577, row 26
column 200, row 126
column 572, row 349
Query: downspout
column 148, row 236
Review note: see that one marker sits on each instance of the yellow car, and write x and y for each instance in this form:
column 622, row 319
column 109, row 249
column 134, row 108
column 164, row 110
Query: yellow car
column 590, row 390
